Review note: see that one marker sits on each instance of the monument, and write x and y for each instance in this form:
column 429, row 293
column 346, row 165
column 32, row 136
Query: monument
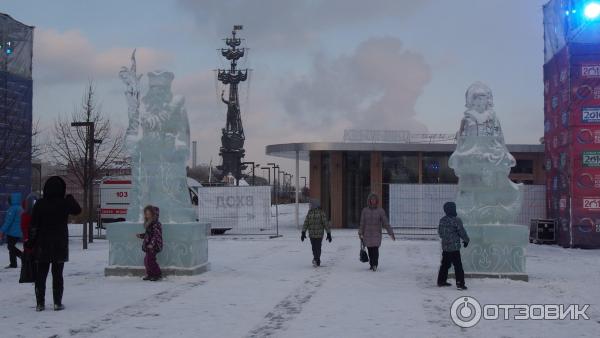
column 488, row 201
column 158, row 141
column 232, row 138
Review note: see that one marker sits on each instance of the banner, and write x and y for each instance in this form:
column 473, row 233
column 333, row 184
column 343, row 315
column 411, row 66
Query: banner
column 243, row 210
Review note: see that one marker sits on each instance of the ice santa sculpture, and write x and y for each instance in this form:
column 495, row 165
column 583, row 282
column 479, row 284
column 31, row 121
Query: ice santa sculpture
column 158, row 140
column 482, row 163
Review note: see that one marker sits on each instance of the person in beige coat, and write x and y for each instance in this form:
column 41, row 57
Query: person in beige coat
column 372, row 220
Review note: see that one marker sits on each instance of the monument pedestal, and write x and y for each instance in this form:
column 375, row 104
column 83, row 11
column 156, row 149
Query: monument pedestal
column 496, row 251
column 185, row 249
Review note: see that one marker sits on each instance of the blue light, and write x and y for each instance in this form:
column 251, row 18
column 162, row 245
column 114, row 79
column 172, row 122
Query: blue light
column 592, row 10
column 8, row 51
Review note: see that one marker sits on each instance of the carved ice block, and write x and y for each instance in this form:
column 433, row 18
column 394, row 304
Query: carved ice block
column 185, row 249
column 496, row 251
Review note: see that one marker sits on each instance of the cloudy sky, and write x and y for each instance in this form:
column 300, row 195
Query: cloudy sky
column 319, row 67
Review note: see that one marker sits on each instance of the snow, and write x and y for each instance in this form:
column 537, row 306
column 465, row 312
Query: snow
column 267, row 287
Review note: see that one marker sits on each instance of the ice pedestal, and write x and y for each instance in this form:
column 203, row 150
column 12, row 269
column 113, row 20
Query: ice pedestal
column 496, row 251
column 185, row 249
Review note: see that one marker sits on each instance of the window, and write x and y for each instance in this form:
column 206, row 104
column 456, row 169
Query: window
column 523, row 167
column 436, row 169
column 400, row 168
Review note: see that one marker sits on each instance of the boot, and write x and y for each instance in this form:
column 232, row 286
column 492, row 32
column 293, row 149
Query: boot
column 39, row 299
column 57, row 295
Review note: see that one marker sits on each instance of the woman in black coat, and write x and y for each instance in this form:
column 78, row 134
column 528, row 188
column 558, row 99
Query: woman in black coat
column 49, row 239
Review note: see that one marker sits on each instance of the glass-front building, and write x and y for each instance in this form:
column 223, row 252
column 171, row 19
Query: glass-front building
column 343, row 174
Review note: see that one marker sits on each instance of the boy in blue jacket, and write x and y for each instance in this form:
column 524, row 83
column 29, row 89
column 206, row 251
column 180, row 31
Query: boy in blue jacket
column 12, row 228
column 451, row 232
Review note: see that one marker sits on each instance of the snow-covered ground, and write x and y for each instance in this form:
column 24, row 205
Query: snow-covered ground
column 267, row 287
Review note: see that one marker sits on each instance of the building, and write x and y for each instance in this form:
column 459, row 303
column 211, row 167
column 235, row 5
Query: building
column 16, row 53
column 572, row 120
column 342, row 174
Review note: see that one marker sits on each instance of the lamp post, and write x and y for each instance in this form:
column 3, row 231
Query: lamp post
column 268, row 169
column 254, row 165
column 88, row 174
column 275, row 182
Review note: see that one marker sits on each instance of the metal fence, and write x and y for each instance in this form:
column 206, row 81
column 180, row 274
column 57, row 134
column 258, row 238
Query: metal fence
column 415, row 209
column 241, row 210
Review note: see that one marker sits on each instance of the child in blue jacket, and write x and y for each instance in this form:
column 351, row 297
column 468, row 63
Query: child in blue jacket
column 12, row 228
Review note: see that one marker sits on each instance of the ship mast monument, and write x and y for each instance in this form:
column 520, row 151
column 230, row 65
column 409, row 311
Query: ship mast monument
column 232, row 138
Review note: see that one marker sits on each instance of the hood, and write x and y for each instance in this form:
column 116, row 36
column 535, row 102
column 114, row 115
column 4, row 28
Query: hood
column 314, row 203
column 155, row 212
column 370, row 197
column 450, row 209
column 15, row 199
column 54, row 188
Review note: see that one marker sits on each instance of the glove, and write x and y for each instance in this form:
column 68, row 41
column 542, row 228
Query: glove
column 303, row 237
column 329, row 237
column 465, row 244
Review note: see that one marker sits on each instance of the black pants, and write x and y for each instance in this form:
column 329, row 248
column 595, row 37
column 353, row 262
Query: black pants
column 57, row 281
column 373, row 255
column 451, row 258
column 316, row 244
column 13, row 251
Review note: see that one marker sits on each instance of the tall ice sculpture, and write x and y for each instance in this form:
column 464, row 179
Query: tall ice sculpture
column 158, row 141
column 488, row 201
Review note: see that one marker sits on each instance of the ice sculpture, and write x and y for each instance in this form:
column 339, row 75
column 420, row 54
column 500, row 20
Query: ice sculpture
column 487, row 200
column 158, row 139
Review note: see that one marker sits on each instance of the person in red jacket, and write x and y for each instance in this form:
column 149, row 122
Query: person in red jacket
column 26, row 215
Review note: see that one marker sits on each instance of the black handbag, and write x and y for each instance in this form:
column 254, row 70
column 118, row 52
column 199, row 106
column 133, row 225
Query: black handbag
column 364, row 257
column 27, row 269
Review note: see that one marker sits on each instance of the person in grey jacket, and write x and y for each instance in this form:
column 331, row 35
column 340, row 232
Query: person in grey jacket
column 451, row 232
column 372, row 220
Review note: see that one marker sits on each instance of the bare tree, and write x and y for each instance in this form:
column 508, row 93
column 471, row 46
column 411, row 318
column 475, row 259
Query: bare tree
column 69, row 148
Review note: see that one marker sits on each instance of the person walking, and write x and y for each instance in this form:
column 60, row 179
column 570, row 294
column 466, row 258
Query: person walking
column 451, row 231
column 152, row 242
column 372, row 220
column 49, row 239
column 12, row 228
column 316, row 223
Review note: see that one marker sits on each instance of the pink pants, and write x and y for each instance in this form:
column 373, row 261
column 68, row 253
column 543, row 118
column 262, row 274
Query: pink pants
column 152, row 268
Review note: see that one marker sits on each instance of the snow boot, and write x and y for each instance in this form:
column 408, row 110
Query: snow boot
column 461, row 287
column 57, row 297
column 444, row 284
column 39, row 299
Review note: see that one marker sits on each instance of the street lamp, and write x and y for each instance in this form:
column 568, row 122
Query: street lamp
column 275, row 182
column 268, row 169
column 254, row 165
column 88, row 174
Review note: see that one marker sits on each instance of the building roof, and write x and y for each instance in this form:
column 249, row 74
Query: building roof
column 288, row 150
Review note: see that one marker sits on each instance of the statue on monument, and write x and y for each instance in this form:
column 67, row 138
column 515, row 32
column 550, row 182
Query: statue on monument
column 482, row 163
column 158, row 141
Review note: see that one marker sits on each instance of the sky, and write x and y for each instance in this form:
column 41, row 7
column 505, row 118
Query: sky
column 318, row 67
